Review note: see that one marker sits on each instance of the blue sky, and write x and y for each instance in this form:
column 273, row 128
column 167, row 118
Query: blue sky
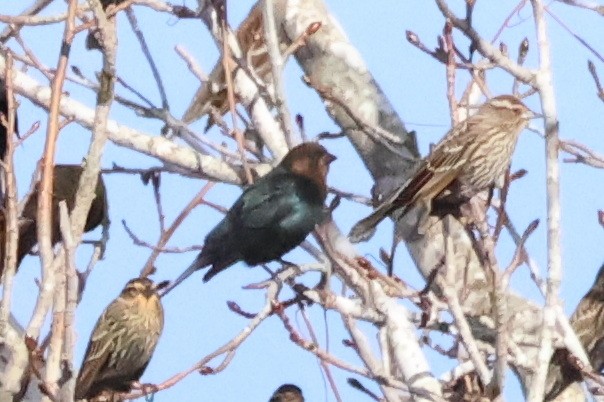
column 197, row 319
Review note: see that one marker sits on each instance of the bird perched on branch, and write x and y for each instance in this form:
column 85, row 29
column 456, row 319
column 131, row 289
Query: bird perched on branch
column 92, row 40
column 66, row 180
column 271, row 217
column 588, row 323
column 65, row 185
column 467, row 160
column 287, row 393
column 250, row 35
column 123, row 341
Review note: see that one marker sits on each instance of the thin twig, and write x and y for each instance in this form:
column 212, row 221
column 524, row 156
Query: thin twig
column 277, row 64
column 450, row 71
column 44, row 217
column 166, row 235
column 228, row 73
column 34, row 9
column 582, row 154
column 574, row 35
column 544, row 82
column 591, row 67
column 10, row 225
column 141, row 39
column 589, row 5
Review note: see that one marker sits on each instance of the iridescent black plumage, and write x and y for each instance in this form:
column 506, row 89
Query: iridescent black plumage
column 272, row 216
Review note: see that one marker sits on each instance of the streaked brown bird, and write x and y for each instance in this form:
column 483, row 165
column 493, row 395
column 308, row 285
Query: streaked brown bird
column 588, row 323
column 287, row 393
column 123, row 341
column 271, row 217
column 250, row 35
column 467, row 160
column 92, row 41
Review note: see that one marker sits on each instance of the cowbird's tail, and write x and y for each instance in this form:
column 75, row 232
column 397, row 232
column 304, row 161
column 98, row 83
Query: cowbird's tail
column 217, row 258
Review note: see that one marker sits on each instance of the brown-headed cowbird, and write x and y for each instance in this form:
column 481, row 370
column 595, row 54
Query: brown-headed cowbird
column 588, row 323
column 92, row 42
column 271, row 217
column 250, row 35
column 65, row 185
column 287, row 393
column 466, row 161
column 122, row 342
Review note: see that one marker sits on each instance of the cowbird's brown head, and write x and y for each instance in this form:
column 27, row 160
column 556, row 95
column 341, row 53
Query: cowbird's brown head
column 310, row 160
column 287, row 393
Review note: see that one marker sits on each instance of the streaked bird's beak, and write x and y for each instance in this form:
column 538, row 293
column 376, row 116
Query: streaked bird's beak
column 161, row 285
column 156, row 288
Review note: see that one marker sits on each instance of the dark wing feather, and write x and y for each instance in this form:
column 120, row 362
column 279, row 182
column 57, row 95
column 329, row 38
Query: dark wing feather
column 96, row 358
column 438, row 170
column 269, row 203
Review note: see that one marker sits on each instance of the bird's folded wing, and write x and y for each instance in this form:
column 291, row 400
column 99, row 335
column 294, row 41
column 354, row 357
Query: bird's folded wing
column 427, row 182
column 97, row 359
column 269, row 202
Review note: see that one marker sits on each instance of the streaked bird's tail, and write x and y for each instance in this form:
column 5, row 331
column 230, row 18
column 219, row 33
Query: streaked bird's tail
column 364, row 229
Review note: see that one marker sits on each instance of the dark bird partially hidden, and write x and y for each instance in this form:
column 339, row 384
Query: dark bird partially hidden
column 65, row 185
column 467, row 160
column 123, row 341
column 92, row 40
column 271, row 217
column 287, row 393
column 4, row 112
column 588, row 323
